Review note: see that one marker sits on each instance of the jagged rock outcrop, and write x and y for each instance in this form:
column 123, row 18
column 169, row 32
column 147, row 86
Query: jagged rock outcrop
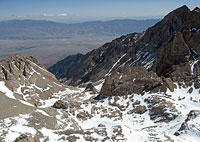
column 16, row 67
column 170, row 84
column 28, row 79
column 191, row 124
column 90, row 87
column 160, row 109
column 128, row 80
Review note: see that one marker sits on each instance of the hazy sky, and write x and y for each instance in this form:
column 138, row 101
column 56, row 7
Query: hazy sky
column 89, row 9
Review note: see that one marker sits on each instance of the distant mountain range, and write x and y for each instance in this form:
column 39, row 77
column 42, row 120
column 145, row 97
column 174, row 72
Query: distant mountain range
column 42, row 29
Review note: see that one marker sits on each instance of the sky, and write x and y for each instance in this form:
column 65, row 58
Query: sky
column 87, row 10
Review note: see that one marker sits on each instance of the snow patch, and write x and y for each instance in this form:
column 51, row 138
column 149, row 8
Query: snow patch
column 5, row 90
column 15, row 127
column 42, row 112
column 192, row 66
column 115, row 65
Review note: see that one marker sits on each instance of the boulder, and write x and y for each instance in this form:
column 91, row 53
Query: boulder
column 140, row 109
column 161, row 110
column 170, row 84
column 127, row 80
column 60, row 105
column 192, row 115
column 84, row 115
column 90, row 87
column 24, row 138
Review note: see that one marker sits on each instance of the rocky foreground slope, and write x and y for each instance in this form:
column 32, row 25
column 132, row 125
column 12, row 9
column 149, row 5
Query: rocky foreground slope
column 35, row 107
column 145, row 87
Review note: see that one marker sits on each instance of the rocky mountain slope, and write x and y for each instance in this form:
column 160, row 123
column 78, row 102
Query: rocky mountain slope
column 145, row 87
column 95, row 64
column 30, row 114
column 35, row 107
column 25, row 82
column 163, row 48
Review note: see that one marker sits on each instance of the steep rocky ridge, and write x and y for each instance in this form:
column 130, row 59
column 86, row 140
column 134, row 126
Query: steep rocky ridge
column 163, row 48
column 62, row 66
column 25, row 76
column 95, row 64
